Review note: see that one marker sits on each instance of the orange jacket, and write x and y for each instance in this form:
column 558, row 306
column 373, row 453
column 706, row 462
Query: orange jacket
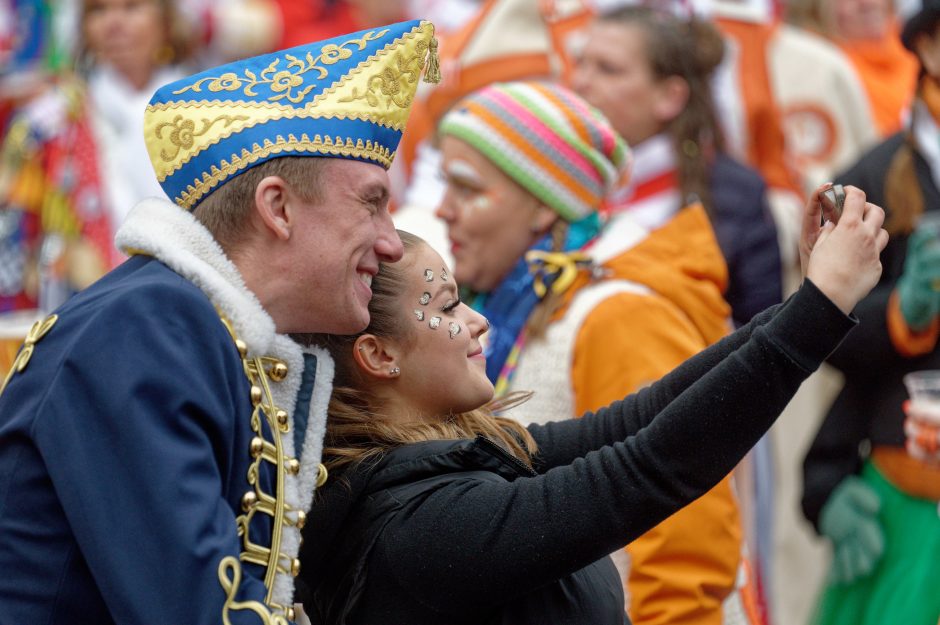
column 682, row 570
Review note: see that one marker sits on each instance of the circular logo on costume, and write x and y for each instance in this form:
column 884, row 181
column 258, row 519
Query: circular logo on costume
column 810, row 132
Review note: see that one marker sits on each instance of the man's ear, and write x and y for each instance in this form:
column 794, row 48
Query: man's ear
column 671, row 96
column 376, row 357
column 272, row 198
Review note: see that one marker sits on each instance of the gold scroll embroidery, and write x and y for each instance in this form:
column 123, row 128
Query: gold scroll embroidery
column 183, row 131
column 36, row 332
column 283, row 82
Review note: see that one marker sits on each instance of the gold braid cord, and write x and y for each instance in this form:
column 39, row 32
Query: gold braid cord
column 36, row 332
column 261, row 371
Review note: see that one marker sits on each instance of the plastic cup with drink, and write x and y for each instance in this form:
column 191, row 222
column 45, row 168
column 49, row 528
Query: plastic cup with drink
column 922, row 426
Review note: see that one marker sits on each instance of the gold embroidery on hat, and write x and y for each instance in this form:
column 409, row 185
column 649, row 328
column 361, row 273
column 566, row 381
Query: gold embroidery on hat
column 184, row 131
column 284, row 81
column 389, row 91
column 244, row 115
column 337, row 101
column 332, row 146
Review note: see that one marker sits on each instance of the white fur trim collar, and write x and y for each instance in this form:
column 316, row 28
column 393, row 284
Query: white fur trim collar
column 170, row 234
column 165, row 231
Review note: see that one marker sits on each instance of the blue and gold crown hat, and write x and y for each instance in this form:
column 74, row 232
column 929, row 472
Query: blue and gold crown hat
column 346, row 97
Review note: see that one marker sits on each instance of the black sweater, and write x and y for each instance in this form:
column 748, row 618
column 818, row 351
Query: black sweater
column 473, row 543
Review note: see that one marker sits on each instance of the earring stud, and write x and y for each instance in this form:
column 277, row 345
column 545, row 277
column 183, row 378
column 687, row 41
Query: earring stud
column 394, row 371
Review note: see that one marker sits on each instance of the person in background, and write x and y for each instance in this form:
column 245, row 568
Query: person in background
column 506, row 40
column 527, row 167
column 425, row 479
column 74, row 159
column 876, row 503
column 649, row 72
column 867, row 32
column 160, row 434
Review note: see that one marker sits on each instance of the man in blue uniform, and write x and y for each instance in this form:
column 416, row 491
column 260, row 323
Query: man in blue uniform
column 160, row 435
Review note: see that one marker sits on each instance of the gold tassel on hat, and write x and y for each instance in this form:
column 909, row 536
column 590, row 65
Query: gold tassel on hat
column 432, row 72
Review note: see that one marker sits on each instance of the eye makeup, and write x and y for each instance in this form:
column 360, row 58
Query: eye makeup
column 464, row 173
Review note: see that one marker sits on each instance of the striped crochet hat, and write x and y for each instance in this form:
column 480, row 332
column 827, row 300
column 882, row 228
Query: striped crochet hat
column 546, row 138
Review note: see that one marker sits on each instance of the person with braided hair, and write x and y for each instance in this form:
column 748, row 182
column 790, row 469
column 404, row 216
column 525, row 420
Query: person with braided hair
column 649, row 71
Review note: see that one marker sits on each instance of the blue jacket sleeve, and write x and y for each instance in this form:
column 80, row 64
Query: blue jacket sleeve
column 139, row 434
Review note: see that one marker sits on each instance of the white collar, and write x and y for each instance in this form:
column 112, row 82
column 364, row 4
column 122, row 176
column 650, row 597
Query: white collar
column 172, row 235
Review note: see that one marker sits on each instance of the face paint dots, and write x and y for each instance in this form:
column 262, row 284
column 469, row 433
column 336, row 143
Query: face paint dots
column 434, row 323
column 425, row 298
column 478, row 204
column 428, row 275
column 419, row 314
column 453, row 329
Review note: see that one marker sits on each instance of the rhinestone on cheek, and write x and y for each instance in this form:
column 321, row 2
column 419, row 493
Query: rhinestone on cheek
column 419, row 314
column 428, row 275
column 425, row 298
column 434, row 323
column 453, row 329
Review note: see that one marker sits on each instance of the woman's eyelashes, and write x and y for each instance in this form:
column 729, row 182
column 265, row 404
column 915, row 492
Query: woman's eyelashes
column 451, row 305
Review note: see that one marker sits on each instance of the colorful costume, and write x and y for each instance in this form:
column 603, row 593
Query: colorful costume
column 867, row 414
column 660, row 304
column 160, row 440
column 825, row 112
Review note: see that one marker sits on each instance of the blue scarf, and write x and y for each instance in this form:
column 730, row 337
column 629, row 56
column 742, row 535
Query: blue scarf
column 508, row 306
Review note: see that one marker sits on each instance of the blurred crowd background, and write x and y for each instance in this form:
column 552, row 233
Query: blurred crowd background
column 802, row 89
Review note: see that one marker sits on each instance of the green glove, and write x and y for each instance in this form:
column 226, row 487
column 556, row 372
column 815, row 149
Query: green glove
column 918, row 297
column 850, row 520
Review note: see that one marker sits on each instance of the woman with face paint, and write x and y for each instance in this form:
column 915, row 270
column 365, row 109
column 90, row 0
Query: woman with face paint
column 437, row 512
column 597, row 314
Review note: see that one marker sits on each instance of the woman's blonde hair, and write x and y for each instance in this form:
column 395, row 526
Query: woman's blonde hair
column 357, row 428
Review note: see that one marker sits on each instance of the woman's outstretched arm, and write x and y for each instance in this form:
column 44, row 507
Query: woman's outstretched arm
column 542, row 528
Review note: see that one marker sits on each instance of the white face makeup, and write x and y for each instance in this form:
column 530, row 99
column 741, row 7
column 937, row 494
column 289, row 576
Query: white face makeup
column 469, row 177
column 491, row 219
